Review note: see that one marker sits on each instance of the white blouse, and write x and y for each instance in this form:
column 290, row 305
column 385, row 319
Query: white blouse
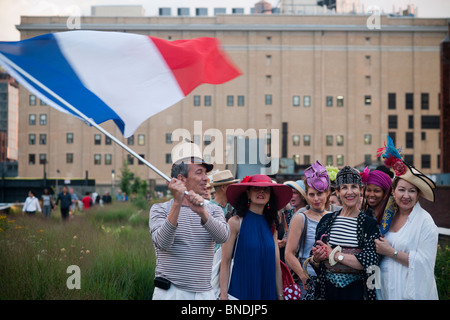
column 419, row 238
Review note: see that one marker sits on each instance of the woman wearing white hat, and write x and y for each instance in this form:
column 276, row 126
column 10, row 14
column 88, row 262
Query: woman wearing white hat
column 410, row 239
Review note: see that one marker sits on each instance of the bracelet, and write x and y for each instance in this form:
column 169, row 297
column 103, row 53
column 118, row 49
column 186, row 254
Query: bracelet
column 331, row 256
column 395, row 254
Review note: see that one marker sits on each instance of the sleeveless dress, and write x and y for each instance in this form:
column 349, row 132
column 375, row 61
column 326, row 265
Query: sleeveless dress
column 253, row 275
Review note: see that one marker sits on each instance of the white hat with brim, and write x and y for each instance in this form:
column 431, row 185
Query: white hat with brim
column 189, row 153
column 298, row 185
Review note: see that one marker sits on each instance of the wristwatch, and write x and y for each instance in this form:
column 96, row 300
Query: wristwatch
column 341, row 258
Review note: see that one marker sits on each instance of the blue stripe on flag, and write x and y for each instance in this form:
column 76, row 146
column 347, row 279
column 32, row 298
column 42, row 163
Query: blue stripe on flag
column 42, row 59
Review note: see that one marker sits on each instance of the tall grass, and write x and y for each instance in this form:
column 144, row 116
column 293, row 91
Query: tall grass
column 111, row 245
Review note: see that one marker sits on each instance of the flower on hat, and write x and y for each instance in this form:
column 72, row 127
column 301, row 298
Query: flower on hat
column 245, row 179
column 332, row 172
column 399, row 167
column 365, row 175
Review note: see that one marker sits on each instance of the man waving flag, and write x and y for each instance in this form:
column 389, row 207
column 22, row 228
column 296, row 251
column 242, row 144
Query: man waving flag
column 115, row 76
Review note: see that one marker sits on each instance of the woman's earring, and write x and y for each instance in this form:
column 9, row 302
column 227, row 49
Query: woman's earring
column 248, row 203
column 268, row 206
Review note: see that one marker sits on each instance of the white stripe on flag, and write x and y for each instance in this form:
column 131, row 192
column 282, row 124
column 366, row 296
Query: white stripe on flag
column 132, row 79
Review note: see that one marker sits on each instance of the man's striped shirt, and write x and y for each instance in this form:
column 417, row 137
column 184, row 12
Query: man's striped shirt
column 184, row 253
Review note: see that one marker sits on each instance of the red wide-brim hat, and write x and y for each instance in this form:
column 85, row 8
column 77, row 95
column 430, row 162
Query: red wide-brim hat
column 283, row 193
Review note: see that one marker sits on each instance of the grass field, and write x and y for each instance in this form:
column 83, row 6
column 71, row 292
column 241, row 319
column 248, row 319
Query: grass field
column 112, row 247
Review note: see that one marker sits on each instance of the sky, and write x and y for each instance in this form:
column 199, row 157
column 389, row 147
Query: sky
column 11, row 10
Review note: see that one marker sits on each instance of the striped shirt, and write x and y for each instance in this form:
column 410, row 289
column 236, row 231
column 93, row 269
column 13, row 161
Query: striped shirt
column 343, row 232
column 184, row 253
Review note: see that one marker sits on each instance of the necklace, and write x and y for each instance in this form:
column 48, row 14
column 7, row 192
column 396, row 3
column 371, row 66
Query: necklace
column 315, row 210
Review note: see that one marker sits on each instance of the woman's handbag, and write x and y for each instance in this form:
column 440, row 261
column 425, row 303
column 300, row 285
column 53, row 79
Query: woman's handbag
column 291, row 290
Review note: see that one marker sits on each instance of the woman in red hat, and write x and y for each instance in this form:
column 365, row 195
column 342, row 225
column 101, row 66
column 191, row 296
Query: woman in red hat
column 252, row 246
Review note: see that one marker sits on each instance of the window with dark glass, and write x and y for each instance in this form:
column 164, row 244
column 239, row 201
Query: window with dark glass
column 409, row 101
column 425, row 101
column 392, row 121
column 409, row 143
column 392, row 101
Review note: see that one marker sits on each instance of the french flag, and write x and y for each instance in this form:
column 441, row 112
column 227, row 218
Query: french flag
column 115, row 76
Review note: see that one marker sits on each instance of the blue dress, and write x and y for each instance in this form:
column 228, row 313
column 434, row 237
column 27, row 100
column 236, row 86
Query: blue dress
column 253, row 276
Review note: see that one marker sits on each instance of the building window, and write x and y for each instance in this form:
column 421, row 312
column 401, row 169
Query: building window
column 329, row 160
column 168, row 158
column 131, row 140
column 426, row 161
column 241, row 101
column 409, row 158
column 43, row 138
column 143, row 157
column 392, row 121
column 306, row 140
column 425, row 104
column 340, row 101
column 296, row 101
column 31, row 159
column 196, row 101
column 31, row 138
column 42, row 158
column 340, row 160
column 296, row 140
column 367, row 139
column 42, row 103
column 329, row 101
column 43, row 119
column 130, row 159
column 32, row 100
column 367, row 100
column 97, row 159
column 410, row 121
column 32, row 119
column 230, row 101
column 409, row 140
column 207, row 101
column 201, row 11
column 339, row 140
column 430, row 122
column 306, row 159
column 423, row 135
column 97, row 139
column 268, row 80
column 69, row 157
column 108, row 159
column 69, row 137
column 168, row 138
column 164, row 11
column 183, row 11
column 409, row 101
column 367, row 159
column 329, row 140
column 296, row 158
column 268, row 99
column 392, row 101
column 220, row 11
column 307, row 101
column 393, row 136
column 141, row 139
column 108, row 140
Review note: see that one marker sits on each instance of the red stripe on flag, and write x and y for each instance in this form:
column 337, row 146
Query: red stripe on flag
column 196, row 61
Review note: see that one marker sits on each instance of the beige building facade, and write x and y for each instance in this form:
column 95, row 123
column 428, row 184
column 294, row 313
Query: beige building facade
column 332, row 87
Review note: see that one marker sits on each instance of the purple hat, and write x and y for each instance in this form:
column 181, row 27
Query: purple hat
column 317, row 177
column 378, row 178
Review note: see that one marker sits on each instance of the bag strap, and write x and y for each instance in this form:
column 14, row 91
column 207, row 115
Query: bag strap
column 301, row 242
column 237, row 238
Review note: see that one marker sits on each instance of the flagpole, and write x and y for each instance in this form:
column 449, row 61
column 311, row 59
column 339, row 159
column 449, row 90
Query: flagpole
column 82, row 115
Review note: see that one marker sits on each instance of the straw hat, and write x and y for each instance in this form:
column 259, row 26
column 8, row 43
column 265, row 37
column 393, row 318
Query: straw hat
column 223, row 177
column 282, row 192
column 189, row 152
column 298, row 185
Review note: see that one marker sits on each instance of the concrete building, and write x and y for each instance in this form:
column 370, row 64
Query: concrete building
column 332, row 87
column 9, row 117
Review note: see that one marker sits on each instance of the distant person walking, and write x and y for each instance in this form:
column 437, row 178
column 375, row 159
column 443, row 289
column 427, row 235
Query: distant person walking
column 31, row 204
column 65, row 200
column 47, row 203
